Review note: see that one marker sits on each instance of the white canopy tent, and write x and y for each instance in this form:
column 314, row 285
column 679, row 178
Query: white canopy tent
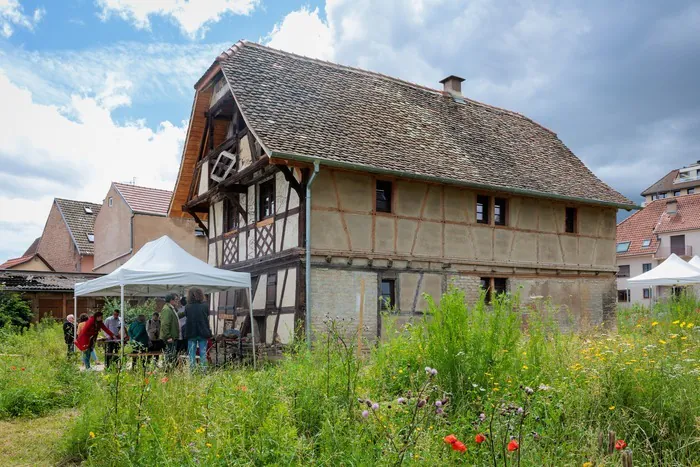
column 161, row 267
column 672, row 272
column 695, row 261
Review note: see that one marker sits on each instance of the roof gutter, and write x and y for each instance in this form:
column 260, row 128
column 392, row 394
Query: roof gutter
column 449, row 181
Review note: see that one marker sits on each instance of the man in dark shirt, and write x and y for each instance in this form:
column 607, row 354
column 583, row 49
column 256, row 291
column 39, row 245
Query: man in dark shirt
column 69, row 333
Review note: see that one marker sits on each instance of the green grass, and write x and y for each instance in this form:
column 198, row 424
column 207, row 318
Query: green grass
column 640, row 381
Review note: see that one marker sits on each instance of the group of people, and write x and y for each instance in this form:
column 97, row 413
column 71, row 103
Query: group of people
column 181, row 326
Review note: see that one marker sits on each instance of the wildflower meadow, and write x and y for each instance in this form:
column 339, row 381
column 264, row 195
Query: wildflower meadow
column 466, row 385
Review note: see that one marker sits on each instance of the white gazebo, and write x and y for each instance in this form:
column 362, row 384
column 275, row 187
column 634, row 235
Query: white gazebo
column 161, row 267
column 672, row 272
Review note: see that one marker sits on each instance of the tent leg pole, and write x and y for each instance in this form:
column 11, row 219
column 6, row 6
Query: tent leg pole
column 252, row 325
column 121, row 327
column 75, row 319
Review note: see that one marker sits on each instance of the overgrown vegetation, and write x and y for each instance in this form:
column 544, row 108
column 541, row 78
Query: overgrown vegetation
column 35, row 375
column 14, row 311
column 469, row 386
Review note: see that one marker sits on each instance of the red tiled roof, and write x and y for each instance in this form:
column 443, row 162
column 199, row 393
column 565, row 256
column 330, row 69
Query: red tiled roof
column 646, row 223
column 10, row 263
column 145, row 200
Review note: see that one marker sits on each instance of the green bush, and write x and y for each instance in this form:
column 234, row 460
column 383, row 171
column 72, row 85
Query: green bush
column 14, row 311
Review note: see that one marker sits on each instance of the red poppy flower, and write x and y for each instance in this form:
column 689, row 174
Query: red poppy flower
column 620, row 444
column 164, row 379
column 243, row 388
column 450, row 439
column 513, row 445
column 480, row 438
column 22, row 369
column 459, row 446
column 13, row 368
column 146, row 381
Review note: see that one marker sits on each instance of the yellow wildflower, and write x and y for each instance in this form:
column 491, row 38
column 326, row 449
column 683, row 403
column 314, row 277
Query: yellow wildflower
column 673, row 336
column 208, row 445
column 683, row 324
column 200, row 430
column 588, row 464
column 612, row 407
column 496, row 389
column 400, row 371
column 690, row 325
column 525, row 367
column 92, row 435
column 654, row 323
column 676, row 321
column 661, row 341
column 684, row 338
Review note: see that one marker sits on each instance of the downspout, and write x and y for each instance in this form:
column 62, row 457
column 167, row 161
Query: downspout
column 308, row 253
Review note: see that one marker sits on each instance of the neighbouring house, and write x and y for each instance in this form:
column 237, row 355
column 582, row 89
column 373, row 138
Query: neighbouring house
column 29, row 261
column 50, row 294
column 410, row 190
column 132, row 216
column 67, row 242
column 677, row 182
column 649, row 236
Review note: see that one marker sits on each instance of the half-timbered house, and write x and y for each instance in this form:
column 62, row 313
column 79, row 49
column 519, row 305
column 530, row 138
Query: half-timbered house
column 322, row 180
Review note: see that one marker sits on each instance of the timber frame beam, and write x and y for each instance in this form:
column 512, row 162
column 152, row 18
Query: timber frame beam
column 199, row 222
column 291, row 179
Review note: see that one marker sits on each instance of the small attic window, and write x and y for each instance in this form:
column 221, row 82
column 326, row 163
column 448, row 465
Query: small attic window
column 646, row 243
column 87, row 210
column 110, row 201
column 225, row 163
column 622, row 247
column 91, row 238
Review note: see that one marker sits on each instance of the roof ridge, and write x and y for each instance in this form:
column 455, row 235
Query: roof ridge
column 141, row 186
column 77, row 201
column 244, row 42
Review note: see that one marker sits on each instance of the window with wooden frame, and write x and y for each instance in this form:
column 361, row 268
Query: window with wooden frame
column 493, row 286
column 623, row 296
column 271, row 293
column 231, row 216
column 500, row 211
column 383, row 196
column 647, row 292
column 387, row 294
column 223, row 166
column 482, row 209
column 266, row 199
column 570, row 220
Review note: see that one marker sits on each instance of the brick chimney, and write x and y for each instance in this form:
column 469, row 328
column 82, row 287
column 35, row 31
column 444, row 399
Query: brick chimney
column 671, row 207
column 452, row 85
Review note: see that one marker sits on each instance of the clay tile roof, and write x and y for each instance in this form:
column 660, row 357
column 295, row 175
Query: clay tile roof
column 303, row 108
column 145, row 200
column 653, row 219
column 80, row 223
column 10, row 263
column 32, row 248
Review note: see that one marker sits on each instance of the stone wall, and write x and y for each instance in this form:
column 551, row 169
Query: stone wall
column 335, row 293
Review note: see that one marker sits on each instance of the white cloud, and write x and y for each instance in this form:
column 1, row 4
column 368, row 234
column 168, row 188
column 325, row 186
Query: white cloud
column 303, row 32
column 191, row 16
column 12, row 15
column 144, row 72
column 73, row 151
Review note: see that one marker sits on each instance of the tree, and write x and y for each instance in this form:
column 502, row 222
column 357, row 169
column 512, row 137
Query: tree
column 13, row 310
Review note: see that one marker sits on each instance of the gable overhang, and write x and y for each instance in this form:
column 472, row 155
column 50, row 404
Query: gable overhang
column 305, row 159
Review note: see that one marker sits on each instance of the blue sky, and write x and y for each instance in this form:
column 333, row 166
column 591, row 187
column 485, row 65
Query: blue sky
column 95, row 91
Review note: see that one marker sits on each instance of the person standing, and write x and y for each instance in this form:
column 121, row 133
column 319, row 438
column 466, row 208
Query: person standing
column 69, row 333
column 114, row 324
column 197, row 329
column 169, row 328
column 139, row 338
column 155, row 344
column 88, row 335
